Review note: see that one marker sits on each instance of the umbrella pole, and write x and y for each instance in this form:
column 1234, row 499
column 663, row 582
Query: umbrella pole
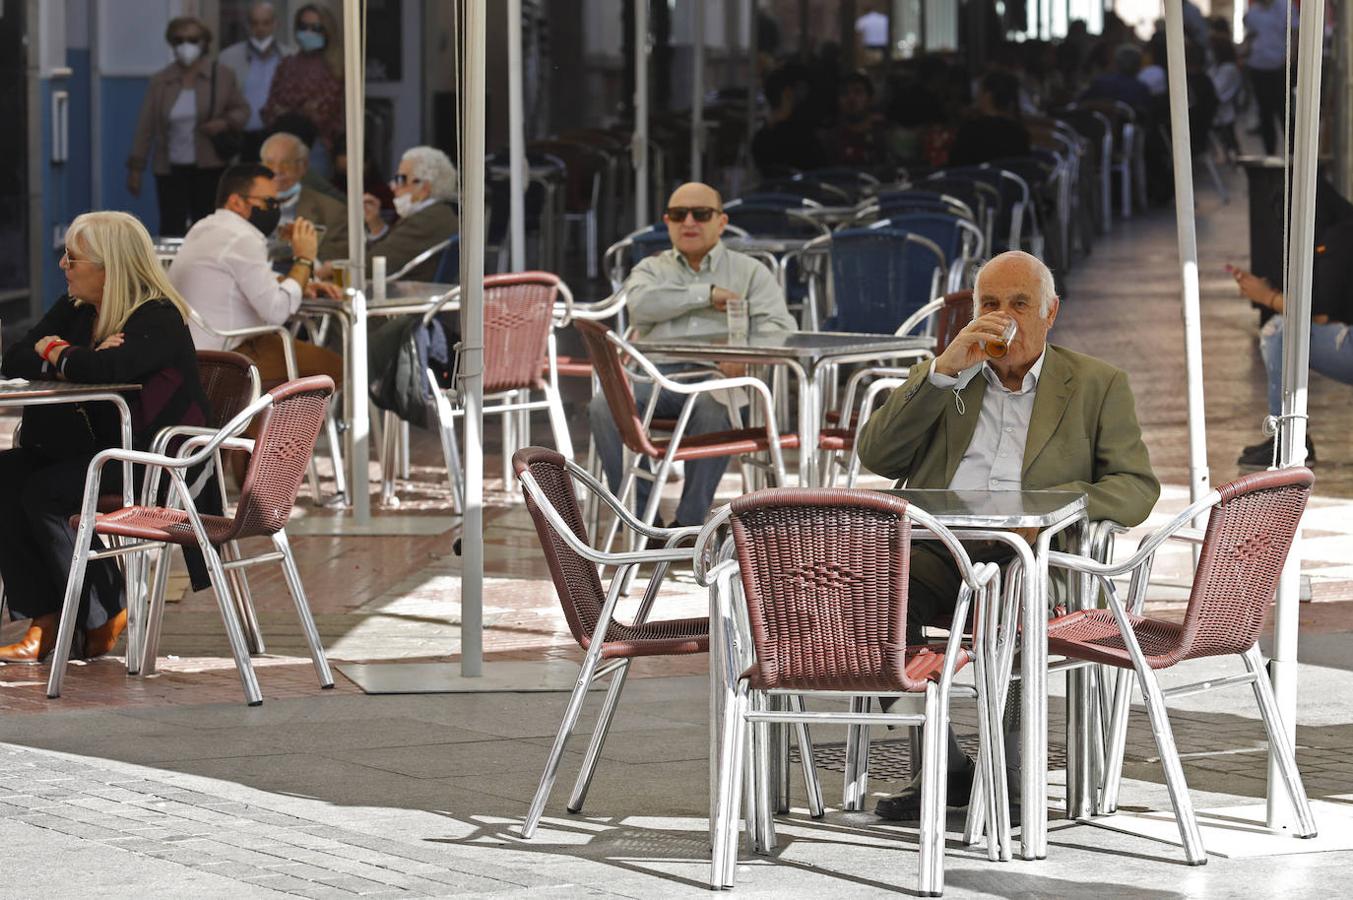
column 516, row 137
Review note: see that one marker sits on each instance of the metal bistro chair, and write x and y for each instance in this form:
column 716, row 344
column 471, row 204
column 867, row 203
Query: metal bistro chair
column 549, row 483
column 231, row 383
column 772, row 198
column 289, row 360
column 983, row 198
column 960, row 239
column 942, row 319
column 606, row 349
column 519, row 357
column 1251, row 525
column 292, row 417
column 837, row 560
column 879, row 276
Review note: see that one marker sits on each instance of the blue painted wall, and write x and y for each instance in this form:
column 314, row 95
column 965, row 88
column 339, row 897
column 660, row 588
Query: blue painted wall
column 121, row 104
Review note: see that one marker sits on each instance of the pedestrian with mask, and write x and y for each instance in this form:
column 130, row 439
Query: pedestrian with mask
column 254, row 62
column 191, row 107
column 310, row 83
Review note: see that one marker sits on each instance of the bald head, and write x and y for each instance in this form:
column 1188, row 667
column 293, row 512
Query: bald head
column 262, row 20
column 288, row 157
column 695, row 193
column 1021, row 266
column 695, row 220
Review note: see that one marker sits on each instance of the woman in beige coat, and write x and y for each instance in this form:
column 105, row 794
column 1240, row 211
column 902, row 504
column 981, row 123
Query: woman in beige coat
column 189, row 103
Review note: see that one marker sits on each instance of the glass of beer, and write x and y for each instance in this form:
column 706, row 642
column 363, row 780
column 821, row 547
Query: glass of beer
column 341, row 274
column 998, row 347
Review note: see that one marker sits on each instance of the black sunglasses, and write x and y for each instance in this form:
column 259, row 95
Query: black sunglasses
column 678, row 214
column 269, row 203
column 401, row 179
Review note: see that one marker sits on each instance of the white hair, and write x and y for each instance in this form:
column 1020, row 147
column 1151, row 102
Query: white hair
column 301, row 151
column 432, row 167
column 1047, row 290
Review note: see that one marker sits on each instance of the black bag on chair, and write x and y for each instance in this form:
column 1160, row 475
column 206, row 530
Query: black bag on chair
column 398, row 358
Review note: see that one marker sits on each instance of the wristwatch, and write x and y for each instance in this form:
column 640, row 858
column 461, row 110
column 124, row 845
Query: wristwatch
column 302, row 261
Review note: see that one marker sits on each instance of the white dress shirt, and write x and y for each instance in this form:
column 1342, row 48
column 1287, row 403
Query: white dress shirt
column 222, row 270
column 994, row 460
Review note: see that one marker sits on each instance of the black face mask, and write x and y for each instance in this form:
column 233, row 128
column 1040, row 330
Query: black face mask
column 265, row 220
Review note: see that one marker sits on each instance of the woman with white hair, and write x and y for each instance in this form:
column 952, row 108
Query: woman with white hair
column 120, row 322
column 426, row 186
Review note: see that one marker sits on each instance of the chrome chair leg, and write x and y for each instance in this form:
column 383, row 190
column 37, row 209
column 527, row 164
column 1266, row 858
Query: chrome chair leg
column 807, row 761
column 150, row 645
column 244, row 603
column 933, row 776
column 594, row 746
column 1192, row 839
column 1116, row 743
column 763, row 788
column 566, row 725
column 1278, row 744
column 308, row 627
column 857, row 759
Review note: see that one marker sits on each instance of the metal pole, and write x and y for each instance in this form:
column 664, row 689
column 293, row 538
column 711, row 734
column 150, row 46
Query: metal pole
column 1182, row 145
column 472, row 341
column 1343, row 144
column 697, row 90
column 639, row 143
column 752, row 85
column 1296, row 360
column 516, row 138
column 354, row 97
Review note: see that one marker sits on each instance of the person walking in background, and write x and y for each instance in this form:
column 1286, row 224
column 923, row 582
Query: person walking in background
column 310, row 83
column 254, row 62
column 190, row 107
column 1266, row 42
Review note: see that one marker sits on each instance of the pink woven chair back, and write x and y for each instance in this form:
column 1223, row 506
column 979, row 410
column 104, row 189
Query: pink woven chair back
column 1249, row 534
column 287, row 433
column 824, row 573
column 615, row 386
column 226, row 381
column 518, row 314
column 952, row 319
column 575, row 579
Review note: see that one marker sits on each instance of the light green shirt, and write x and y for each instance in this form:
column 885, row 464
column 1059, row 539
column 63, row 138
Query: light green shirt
column 668, row 299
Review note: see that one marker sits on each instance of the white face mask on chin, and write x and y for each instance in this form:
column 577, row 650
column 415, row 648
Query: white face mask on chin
column 403, row 205
column 187, row 54
column 261, row 44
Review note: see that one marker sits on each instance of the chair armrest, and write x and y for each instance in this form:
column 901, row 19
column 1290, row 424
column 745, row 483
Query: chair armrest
column 669, row 535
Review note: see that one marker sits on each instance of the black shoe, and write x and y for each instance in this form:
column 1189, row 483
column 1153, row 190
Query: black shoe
column 905, row 806
column 1260, row 455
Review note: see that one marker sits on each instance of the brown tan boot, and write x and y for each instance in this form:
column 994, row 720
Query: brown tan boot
column 36, row 643
column 102, row 639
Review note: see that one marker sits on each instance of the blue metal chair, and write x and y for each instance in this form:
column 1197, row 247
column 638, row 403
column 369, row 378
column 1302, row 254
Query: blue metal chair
column 772, row 198
column 879, row 277
column 895, row 203
column 854, row 182
column 1015, row 202
column 763, row 220
column 807, row 186
column 982, row 198
column 448, row 267
column 960, row 239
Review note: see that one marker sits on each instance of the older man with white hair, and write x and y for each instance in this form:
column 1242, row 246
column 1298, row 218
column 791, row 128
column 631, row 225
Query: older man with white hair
column 1036, row 417
column 289, row 158
column 425, row 187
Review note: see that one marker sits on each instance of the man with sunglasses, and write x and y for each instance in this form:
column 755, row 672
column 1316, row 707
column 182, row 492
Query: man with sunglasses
column 222, row 270
column 682, row 292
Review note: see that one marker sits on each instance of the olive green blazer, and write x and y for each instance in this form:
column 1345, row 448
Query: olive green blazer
column 1083, row 436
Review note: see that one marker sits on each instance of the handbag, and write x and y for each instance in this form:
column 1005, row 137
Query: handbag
column 228, row 143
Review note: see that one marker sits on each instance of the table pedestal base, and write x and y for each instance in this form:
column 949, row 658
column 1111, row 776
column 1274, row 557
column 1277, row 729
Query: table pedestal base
column 1239, row 832
column 445, row 678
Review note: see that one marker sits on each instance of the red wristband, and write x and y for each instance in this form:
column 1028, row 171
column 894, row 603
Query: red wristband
column 53, row 347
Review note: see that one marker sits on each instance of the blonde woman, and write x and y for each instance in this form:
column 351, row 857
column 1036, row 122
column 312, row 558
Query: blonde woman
column 120, row 321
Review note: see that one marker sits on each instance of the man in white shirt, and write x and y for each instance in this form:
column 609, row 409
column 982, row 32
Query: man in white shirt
column 222, row 270
column 254, row 62
column 1037, row 417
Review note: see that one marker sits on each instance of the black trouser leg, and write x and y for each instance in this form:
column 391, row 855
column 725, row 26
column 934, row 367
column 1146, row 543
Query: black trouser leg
column 1268, row 97
column 172, row 195
column 202, row 192
column 28, row 585
column 48, row 497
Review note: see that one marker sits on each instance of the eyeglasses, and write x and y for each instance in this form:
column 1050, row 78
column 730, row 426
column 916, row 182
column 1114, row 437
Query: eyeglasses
column 678, row 214
column 401, row 179
column 67, row 260
column 269, row 203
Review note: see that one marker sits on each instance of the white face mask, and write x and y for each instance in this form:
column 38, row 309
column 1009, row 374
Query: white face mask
column 261, row 44
column 403, row 205
column 187, row 54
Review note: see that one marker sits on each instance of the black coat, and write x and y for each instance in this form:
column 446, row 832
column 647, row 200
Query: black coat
column 157, row 353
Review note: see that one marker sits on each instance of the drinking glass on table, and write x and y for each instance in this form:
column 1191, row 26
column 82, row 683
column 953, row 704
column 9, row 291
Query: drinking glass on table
column 739, row 319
